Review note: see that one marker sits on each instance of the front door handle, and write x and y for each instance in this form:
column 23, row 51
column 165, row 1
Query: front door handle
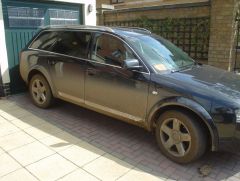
column 91, row 72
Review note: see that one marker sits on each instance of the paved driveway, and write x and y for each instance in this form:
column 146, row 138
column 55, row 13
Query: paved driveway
column 67, row 142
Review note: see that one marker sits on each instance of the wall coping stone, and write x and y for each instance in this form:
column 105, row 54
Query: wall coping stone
column 185, row 5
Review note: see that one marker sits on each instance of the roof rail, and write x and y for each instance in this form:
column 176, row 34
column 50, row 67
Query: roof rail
column 137, row 29
column 57, row 26
column 103, row 28
column 141, row 29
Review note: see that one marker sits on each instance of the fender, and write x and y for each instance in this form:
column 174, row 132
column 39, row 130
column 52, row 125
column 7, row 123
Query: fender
column 45, row 73
column 192, row 106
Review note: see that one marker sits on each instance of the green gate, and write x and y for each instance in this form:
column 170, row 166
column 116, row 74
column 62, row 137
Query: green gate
column 23, row 19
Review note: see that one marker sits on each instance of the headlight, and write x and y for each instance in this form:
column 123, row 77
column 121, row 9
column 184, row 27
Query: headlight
column 237, row 112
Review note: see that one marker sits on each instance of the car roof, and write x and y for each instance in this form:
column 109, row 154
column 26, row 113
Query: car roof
column 122, row 31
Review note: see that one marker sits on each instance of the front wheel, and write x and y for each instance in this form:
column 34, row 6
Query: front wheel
column 40, row 91
column 180, row 136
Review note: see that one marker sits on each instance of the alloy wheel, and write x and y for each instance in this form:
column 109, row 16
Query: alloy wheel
column 175, row 137
column 39, row 91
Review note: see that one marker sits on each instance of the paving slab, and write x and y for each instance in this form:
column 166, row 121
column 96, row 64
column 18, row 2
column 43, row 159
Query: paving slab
column 79, row 174
column 7, row 164
column 108, row 167
column 31, row 153
column 15, row 140
column 51, row 168
column 20, row 174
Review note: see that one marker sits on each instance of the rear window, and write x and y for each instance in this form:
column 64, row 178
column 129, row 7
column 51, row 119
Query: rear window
column 45, row 40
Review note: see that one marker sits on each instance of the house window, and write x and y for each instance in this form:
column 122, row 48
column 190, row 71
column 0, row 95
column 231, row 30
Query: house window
column 63, row 17
column 117, row 1
column 25, row 16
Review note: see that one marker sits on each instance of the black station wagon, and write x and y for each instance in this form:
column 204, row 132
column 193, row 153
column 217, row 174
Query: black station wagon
column 138, row 77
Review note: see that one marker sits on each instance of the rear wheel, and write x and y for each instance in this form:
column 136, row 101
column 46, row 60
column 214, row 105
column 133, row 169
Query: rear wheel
column 40, row 91
column 180, row 136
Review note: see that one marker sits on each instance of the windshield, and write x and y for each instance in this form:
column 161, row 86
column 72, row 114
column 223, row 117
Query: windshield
column 161, row 54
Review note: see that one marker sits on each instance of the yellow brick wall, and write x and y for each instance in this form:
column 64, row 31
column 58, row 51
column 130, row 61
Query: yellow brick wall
column 223, row 33
column 158, row 14
column 99, row 2
column 238, row 61
column 144, row 3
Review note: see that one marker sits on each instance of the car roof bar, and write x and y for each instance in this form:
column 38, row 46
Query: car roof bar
column 103, row 28
column 136, row 28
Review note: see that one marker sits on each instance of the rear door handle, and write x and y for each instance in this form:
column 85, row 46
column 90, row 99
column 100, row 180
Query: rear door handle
column 51, row 62
column 47, row 55
column 91, row 72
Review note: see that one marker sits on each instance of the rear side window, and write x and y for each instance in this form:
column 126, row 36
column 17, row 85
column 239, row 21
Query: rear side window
column 45, row 40
column 73, row 43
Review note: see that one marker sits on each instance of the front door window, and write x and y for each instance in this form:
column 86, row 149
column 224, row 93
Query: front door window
column 110, row 50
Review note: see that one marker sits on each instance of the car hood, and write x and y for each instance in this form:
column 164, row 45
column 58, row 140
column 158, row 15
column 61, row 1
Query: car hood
column 208, row 81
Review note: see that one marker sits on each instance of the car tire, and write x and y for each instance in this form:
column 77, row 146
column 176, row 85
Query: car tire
column 40, row 91
column 180, row 136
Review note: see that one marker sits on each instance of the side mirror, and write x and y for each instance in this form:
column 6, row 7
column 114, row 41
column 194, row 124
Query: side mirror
column 131, row 64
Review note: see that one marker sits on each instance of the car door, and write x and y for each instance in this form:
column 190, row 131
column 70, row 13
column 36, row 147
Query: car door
column 111, row 89
column 67, row 65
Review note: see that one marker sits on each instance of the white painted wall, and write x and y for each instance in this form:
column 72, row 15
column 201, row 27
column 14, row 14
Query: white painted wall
column 3, row 50
column 89, row 18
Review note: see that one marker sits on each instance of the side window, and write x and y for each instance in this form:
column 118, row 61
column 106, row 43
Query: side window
column 110, row 50
column 45, row 40
column 73, row 43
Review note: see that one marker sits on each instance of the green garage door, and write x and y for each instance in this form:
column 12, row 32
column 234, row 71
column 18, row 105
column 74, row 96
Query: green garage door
column 23, row 19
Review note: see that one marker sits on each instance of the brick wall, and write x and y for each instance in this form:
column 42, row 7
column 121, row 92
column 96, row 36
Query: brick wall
column 144, row 3
column 160, row 12
column 223, row 33
column 139, row 4
column 238, row 60
column 99, row 2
